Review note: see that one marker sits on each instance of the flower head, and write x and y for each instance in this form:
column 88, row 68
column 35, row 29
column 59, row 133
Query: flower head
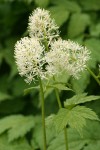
column 42, row 26
column 66, row 56
column 28, row 55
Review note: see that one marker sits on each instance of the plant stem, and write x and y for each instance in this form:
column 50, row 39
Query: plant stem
column 60, row 106
column 58, row 98
column 93, row 75
column 43, row 113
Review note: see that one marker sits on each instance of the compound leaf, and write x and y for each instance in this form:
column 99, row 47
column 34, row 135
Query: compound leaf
column 75, row 117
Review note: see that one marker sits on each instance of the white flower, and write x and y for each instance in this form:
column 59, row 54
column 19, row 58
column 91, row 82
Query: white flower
column 42, row 26
column 66, row 56
column 28, row 55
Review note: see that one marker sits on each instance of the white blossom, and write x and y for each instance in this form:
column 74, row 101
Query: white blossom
column 62, row 56
column 42, row 26
column 28, row 55
column 66, row 56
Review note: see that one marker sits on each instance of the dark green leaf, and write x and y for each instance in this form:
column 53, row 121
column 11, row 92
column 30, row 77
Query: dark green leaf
column 90, row 4
column 75, row 28
column 4, row 96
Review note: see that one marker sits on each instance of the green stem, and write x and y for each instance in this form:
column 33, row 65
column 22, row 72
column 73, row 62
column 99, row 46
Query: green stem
column 58, row 98
column 93, row 75
column 43, row 113
column 66, row 139
column 45, row 40
column 60, row 106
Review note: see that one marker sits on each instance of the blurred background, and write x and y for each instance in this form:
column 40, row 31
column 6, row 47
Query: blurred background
column 79, row 20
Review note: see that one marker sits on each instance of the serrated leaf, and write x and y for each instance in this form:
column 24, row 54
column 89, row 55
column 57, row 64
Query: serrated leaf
column 17, row 126
column 91, row 138
column 78, row 99
column 16, row 145
column 76, row 118
column 60, row 14
column 28, row 90
column 59, row 87
column 75, row 28
column 4, row 96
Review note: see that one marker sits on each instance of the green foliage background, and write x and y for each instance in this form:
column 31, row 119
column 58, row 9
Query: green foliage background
column 20, row 122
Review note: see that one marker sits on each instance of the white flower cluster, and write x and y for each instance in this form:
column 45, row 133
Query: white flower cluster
column 28, row 55
column 32, row 58
column 42, row 26
column 66, row 56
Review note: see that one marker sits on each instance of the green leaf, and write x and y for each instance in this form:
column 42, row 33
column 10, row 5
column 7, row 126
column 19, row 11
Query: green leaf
column 90, row 4
column 89, row 141
column 37, row 139
column 78, row 99
column 9, row 56
column 76, row 118
column 95, row 30
column 17, row 126
column 93, row 45
column 50, row 120
column 58, row 143
column 18, row 86
column 16, row 145
column 48, row 92
column 75, row 28
column 42, row 3
column 4, row 96
column 70, row 6
column 80, row 85
column 28, row 90
column 59, row 87
column 60, row 14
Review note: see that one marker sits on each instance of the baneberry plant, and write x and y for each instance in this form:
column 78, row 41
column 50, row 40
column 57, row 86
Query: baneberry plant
column 42, row 57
